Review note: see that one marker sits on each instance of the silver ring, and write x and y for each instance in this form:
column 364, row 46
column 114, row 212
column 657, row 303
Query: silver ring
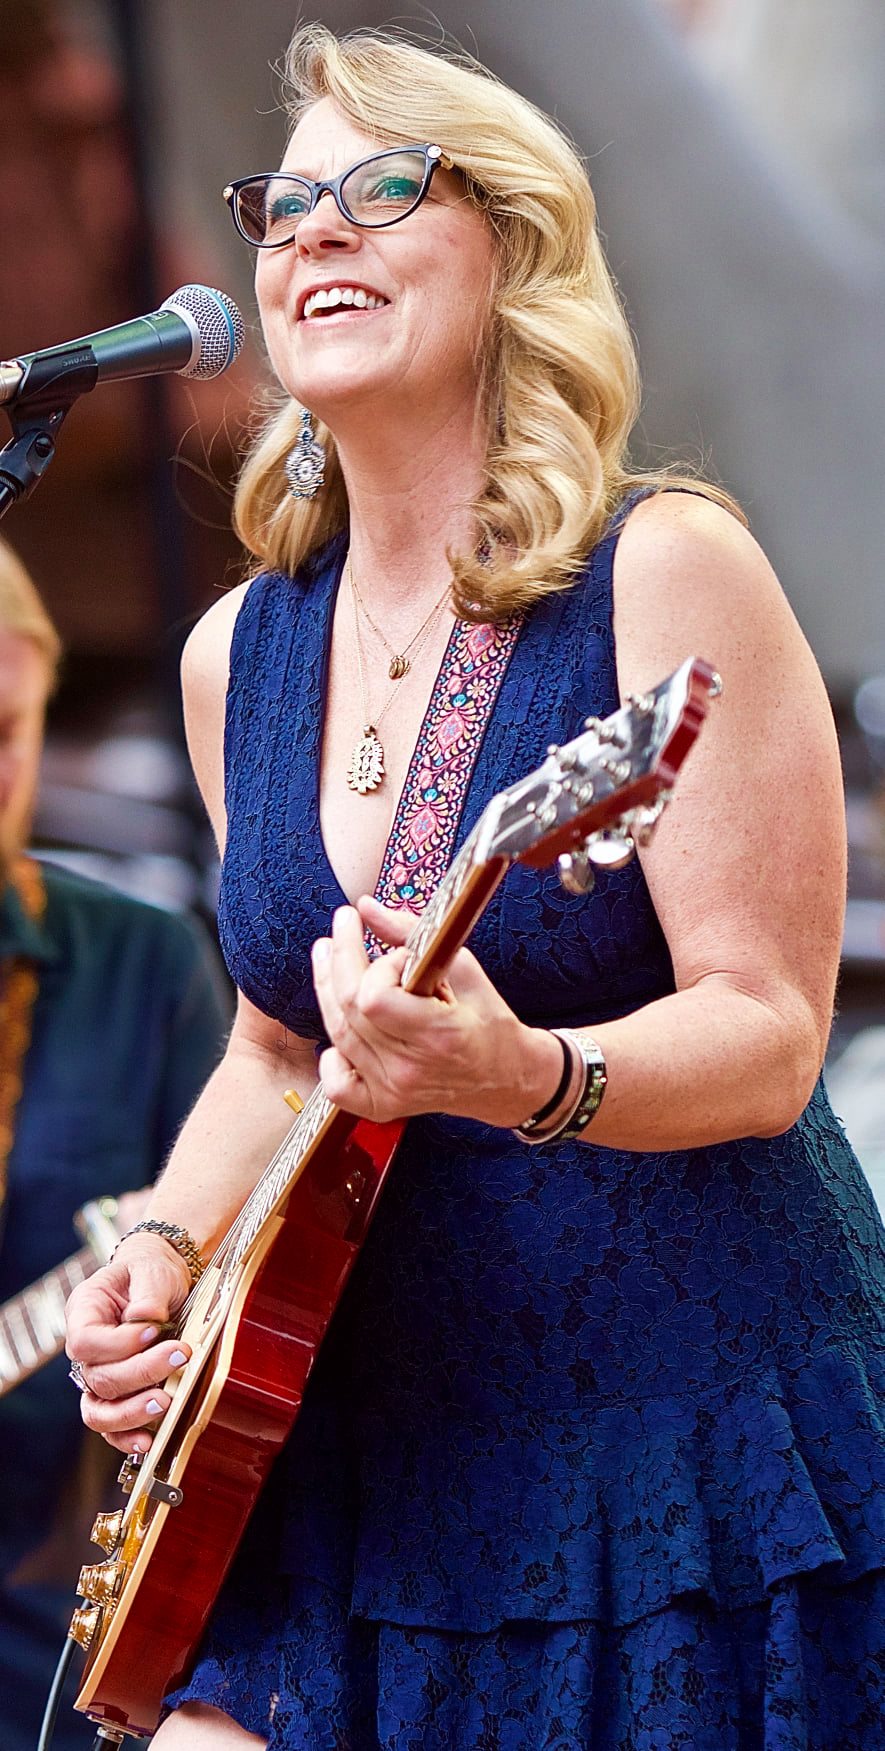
column 75, row 1373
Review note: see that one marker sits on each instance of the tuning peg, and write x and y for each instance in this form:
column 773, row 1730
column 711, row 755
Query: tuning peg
column 100, row 1582
column 644, row 821
column 643, row 704
column 610, row 848
column 576, row 872
column 106, row 1531
column 84, row 1624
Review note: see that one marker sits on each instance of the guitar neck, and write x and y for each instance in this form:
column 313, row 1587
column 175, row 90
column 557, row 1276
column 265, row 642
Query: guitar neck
column 32, row 1324
column 443, row 927
column 591, row 802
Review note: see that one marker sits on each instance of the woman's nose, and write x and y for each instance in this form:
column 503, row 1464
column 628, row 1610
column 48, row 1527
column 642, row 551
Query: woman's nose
column 326, row 228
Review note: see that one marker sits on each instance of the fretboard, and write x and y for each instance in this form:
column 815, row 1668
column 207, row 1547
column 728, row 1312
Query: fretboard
column 440, row 931
column 32, row 1324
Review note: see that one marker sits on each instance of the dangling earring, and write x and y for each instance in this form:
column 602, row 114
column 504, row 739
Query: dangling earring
column 306, row 462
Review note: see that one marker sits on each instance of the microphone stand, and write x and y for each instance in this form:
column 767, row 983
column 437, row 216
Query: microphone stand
column 52, row 386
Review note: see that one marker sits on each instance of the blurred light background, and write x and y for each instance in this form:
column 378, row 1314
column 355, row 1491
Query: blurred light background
column 737, row 149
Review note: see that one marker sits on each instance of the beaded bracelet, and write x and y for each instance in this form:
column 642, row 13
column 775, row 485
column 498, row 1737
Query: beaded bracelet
column 178, row 1237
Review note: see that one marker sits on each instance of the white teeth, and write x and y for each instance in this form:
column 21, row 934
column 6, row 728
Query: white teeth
column 329, row 298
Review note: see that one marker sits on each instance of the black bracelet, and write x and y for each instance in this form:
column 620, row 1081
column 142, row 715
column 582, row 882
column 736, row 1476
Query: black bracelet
column 564, row 1080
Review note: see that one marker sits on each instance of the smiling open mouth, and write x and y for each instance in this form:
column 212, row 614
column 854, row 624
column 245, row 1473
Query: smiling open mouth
column 330, row 298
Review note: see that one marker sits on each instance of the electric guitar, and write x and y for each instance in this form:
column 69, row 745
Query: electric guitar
column 32, row 1323
column 257, row 1317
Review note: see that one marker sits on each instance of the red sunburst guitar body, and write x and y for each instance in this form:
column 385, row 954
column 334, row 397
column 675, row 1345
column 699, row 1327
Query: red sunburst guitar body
column 253, row 1379
column 257, row 1317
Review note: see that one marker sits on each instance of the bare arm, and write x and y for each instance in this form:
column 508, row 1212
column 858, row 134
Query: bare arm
column 233, row 1131
column 240, row 1118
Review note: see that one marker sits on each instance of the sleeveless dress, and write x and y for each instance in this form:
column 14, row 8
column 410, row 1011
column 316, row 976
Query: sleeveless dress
column 593, row 1458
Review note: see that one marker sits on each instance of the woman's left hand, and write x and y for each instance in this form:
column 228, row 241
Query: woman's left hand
column 394, row 1054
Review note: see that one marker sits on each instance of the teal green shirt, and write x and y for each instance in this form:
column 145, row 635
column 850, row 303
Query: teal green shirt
column 127, row 1026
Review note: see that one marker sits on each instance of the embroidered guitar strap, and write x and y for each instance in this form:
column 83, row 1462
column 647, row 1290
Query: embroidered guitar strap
column 20, row 983
column 422, row 838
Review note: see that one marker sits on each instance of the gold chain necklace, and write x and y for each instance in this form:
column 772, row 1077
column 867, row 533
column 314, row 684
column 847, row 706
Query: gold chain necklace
column 399, row 660
column 366, row 768
column 20, row 986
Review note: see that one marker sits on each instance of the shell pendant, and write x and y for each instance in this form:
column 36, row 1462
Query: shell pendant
column 399, row 667
column 366, row 762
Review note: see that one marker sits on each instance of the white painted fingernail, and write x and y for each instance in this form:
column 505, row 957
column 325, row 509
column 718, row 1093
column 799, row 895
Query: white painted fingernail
column 322, row 949
column 177, row 1359
column 154, row 1409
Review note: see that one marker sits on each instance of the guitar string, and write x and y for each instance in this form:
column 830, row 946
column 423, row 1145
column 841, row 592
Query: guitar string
column 224, row 1256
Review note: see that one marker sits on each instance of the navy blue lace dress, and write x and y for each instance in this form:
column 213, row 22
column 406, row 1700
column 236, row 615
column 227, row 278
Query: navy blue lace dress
column 593, row 1459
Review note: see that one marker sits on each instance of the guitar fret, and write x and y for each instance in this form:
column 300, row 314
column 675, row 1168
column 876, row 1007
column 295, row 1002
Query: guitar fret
column 74, row 1270
column 278, row 1177
column 10, row 1367
column 32, row 1324
column 55, row 1298
column 284, row 1170
column 450, row 887
column 22, row 1345
column 545, row 804
column 38, row 1318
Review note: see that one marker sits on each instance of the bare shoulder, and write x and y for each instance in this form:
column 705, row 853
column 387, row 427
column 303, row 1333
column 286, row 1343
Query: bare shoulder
column 205, row 660
column 689, row 578
column 205, row 668
column 761, row 794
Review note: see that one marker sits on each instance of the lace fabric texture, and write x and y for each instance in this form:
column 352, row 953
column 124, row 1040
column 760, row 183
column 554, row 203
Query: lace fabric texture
column 594, row 1453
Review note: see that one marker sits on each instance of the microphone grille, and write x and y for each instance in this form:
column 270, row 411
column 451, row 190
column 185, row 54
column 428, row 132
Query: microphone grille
column 217, row 326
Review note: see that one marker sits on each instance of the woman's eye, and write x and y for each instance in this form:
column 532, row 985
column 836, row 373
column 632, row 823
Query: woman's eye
column 285, row 207
column 393, row 188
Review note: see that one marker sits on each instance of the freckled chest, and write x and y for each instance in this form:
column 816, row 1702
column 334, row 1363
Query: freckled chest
column 355, row 828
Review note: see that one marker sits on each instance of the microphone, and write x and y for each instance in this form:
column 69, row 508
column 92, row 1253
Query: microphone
column 197, row 332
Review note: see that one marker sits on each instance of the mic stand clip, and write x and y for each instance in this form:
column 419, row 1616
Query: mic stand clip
column 36, row 416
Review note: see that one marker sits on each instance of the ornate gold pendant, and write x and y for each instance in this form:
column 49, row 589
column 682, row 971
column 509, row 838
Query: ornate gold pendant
column 366, row 762
column 399, row 667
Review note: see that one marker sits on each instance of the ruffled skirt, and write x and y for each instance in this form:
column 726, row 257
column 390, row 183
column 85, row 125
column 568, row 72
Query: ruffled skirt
column 803, row 1671
column 690, row 1578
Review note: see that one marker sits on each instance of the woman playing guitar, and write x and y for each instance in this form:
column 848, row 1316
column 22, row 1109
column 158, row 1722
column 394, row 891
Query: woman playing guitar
column 592, row 1450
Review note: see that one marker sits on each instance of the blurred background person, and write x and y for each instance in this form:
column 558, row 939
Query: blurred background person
column 112, row 1015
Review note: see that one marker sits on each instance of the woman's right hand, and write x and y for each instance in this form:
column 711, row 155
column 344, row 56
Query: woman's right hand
column 114, row 1323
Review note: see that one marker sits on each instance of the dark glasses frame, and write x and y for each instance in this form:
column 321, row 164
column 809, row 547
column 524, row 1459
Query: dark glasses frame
column 434, row 157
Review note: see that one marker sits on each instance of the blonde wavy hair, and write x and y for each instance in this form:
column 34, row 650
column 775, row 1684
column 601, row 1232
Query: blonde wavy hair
column 22, row 612
column 559, row 375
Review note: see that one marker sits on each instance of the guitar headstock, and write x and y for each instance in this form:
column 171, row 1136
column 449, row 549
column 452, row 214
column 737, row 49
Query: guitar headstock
column 598, row 797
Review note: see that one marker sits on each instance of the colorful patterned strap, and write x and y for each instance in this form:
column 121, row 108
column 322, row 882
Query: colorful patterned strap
column 422, row 838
